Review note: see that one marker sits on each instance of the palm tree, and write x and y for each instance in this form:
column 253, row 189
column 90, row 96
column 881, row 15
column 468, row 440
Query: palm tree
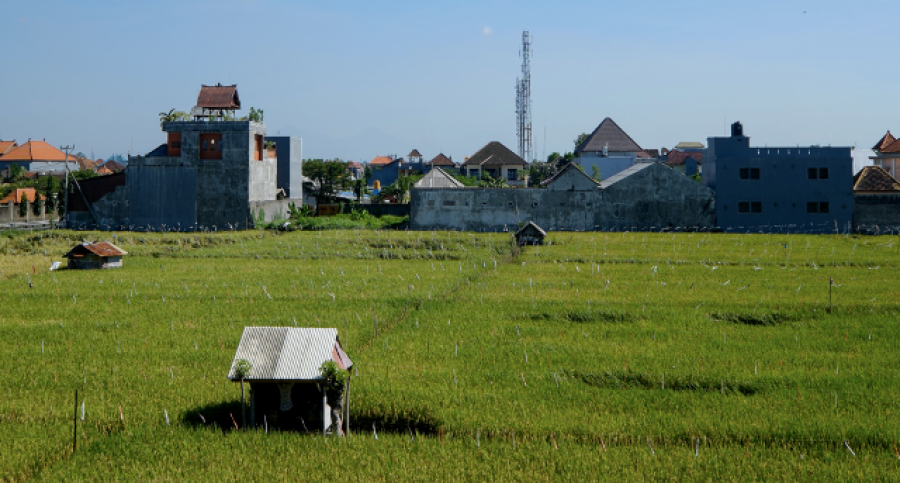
column 167, row 116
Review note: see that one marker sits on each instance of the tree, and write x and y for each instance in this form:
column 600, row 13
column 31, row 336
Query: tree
column 38, row 204
column 539, row 172
column 84, row 174
column 488, row 182
column 16, row 172
column 256, row 115
column 23, row 206
column 173, row 115
column 326, row 178
column 581, row 138
column 359, row 189
column 367, row 174
column 595, row 173
column 242, row 369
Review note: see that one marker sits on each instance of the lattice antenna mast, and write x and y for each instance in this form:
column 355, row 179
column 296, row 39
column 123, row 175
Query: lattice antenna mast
column 523, row 102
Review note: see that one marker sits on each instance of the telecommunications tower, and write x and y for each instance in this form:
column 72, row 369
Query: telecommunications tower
column 523, row 101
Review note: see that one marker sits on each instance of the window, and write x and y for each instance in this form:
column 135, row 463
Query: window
column 211, row 146
column 511, row 175
column 749, row 173
column 817, row 207
column 449, row 203
column 817, row 173
column 257, row 147
column 749, row 207
column 173, row 145
column 823, row 173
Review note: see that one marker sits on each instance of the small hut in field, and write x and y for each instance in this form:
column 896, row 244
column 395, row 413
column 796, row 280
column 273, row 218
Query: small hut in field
column 287, row 389
column 95, row 255
column 530, row 234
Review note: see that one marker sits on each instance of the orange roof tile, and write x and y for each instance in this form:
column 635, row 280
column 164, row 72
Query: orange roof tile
column 885, row 141
column 16, row 195
column 6, row 146
column 36, row 151
column 104, row 170
column 894, row 147
column 381, row 161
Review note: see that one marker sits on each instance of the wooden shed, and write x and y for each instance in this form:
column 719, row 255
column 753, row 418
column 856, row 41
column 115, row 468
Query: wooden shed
column 530, row 234
column 287, row 390
column 95, row 255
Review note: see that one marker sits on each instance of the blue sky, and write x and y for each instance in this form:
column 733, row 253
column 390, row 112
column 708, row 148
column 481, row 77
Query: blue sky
column 361, row 79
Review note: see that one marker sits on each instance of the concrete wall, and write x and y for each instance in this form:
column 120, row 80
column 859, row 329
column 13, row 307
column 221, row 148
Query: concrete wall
column 653, row 198
column 783, row 188
column 269, row 211
column 882, row 211
column 40, row 166
column 289, row 152
column 9, row 213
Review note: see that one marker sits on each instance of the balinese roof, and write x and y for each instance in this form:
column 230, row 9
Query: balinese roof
column 495, row 153
column 16, row 195
column 569, row 166
column 438, row 178
column 113, row 166
column 884, row 142
column 219, row 97
column 84, row 163
column 531, row 226
column 101, row 249
column 894, row 147
column 36, row 151
column 677, row 158
column 288, row 353
column 414, row 152
column 441, row 160
column 608, row 134
column 6, row 146
column 690, row 145
column 381, row 161
column 102, row 170
column 654, row 153
column 875, row 178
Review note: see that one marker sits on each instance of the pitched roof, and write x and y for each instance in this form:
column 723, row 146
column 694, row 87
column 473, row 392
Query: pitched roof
column 84, row 163
column 113, row 166
column 677, row 158
column 438, row 178
column 381, row 161
column 884, row 142
column 219, row 97
column 495, row 153
column 628, row 172
column 354, row 165
column 288, row 353
column 6, row 146
column 875, row 178
column 690, row 145
column 608, row 134
column 569, row 166
column 894, row 147
column 414, row 152
column 441, row 160
column 531, row 226
column 16, row 195
column 101, row 249
column 104, row 170
column 36, row 151
column 654, row 153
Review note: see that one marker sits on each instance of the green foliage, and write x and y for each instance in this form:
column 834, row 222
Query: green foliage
column 302, row 212
column 242, row 368
column 23, row 205
column 595, row 173
column 326, row 177
column 488, row 182
column 38, row 204
column 581, row 138
column 84, row 174
column 465, row 180
column 696, row 177
column 172, row 116
column 359, row 189
column 256, row 115
column 16, row 173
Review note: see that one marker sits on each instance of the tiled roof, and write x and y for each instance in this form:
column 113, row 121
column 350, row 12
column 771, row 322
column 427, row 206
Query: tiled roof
column 654, row 153
column 354, row 165
column 16, row 195
column 381, row 161
column 677, row 158
column 884, row 142
column 608, row 134
column 438, row 178
column 875, row 178
column 84, row 163
column 104, row 170
column 496, row 154
column 101, row 249
column 36, row 151
column 113, row 166
column 414, row 152
column 219, row 97
column 441, row 160
column 894, row 147
column 6, row 146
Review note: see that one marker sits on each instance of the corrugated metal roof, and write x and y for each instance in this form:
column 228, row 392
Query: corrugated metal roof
column 288, row 353
column 626, row 173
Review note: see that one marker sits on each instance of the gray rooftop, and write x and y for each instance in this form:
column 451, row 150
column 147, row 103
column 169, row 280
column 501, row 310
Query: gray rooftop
column 288, row 353
column 438, row 178
column 625, row 173
column 610, row 135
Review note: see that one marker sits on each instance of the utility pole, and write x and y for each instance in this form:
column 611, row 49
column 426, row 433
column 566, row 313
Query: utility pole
column 66, row 149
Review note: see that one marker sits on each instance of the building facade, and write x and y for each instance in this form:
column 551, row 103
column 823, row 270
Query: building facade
column 780, row 189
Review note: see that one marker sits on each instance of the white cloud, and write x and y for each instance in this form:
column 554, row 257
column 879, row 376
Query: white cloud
column 487, row 30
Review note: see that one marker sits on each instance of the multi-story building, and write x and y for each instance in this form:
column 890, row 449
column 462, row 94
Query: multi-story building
column 788, row 189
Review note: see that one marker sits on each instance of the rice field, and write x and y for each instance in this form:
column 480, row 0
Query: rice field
column 641, row 355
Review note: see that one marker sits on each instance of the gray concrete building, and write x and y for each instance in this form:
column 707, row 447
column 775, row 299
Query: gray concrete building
column 779, row 189
column 643, row 197
column 289, row 156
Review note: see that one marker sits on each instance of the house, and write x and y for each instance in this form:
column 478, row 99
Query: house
column 357, row 171
column 103, row 171
column 443, row 162
column 113, row 166
column 438, row 178
column 610, row 149
column 877, row 200
column 887, row 154
column 212, row 175
column 386, row 170
column 95, row 255
column 15, row 196
column 571, row 178
column 498, row 162
column 286, row 384
column 38, row 156
column 414, row 156
column 530, row 234
column 215, row 101
column 685, row 162
column 792, row 189
column 6, row 146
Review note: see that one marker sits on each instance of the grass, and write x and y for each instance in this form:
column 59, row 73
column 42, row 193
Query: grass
column 485, row 366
